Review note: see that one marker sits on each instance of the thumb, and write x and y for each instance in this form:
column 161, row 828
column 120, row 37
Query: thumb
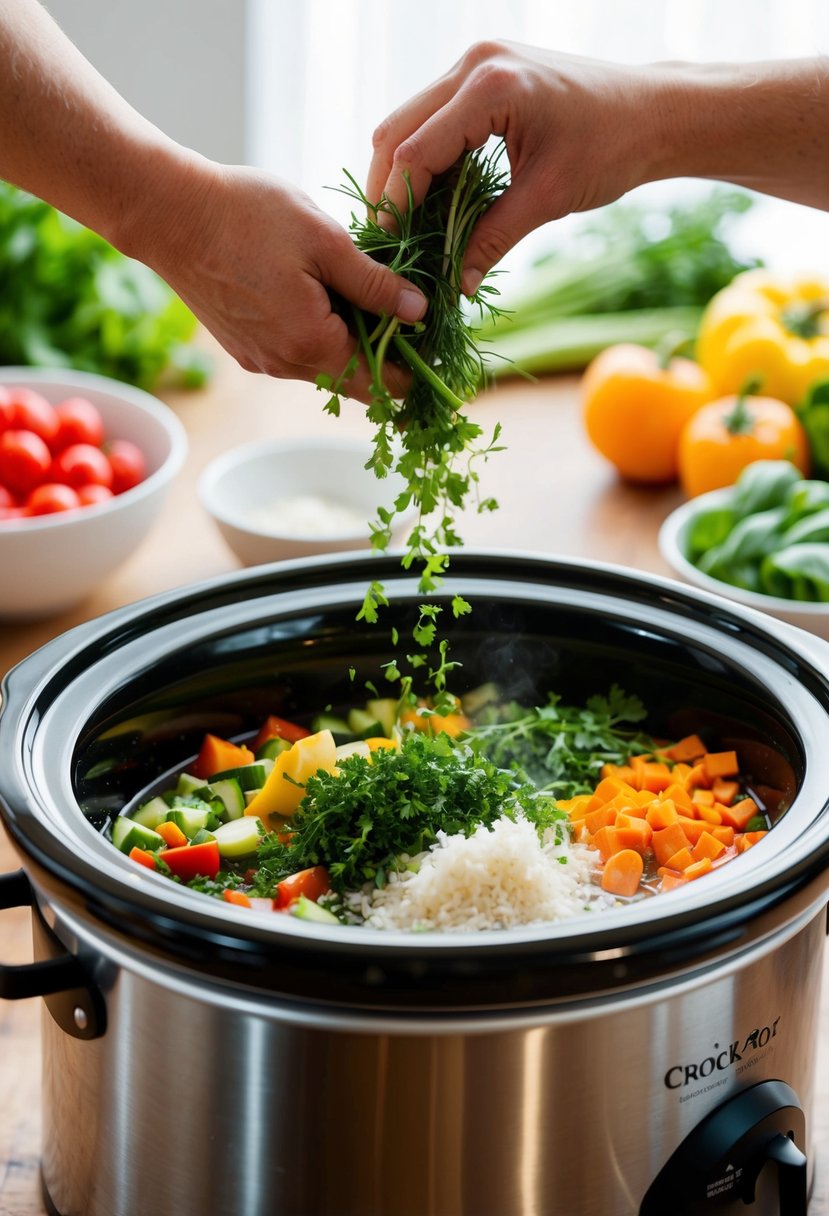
column 507, row 221
column 375, row 288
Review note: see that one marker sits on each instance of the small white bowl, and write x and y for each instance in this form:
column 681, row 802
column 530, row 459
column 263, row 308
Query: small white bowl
column 51, row 563
column 277, row 499
column 673, row 545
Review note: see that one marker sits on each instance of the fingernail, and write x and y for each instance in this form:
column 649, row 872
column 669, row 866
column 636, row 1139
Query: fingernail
column 471, row 280
column 411, row 305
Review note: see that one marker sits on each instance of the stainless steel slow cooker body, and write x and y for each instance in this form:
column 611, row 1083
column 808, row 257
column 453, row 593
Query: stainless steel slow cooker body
column 196, row 1059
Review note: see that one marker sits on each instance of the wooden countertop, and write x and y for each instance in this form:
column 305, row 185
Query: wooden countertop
column 556, row 496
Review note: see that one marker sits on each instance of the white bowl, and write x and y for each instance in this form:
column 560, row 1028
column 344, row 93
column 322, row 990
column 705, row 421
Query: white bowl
column 252, row 491
column 673, row 545
column 53, row 562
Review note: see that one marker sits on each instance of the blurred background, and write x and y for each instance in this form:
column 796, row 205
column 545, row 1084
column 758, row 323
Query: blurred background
column 297, row 86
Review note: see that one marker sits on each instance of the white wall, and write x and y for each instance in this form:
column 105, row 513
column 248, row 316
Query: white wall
column 181, row 63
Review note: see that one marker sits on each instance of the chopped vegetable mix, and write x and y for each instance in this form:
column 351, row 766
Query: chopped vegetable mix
column 316, row 830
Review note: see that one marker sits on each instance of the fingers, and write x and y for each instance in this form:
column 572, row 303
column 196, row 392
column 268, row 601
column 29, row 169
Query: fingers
column 371, row 286
column 400, row 125
column 510, row 218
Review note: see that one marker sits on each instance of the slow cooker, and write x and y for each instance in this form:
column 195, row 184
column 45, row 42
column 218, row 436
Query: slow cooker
column 656, row 1059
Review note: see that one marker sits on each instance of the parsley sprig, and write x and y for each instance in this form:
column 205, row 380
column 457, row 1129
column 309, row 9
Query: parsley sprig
column 426, row 438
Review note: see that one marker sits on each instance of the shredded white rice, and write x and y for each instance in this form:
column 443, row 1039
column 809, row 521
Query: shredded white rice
column 494, row 879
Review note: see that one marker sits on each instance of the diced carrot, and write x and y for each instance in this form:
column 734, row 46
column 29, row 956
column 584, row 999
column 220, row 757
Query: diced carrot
column 635, row 809
column 607, row 789
column 679, row 796
column 605, row 841
column 720, row 764
column 623, row 771
column 644, row 798
column 622, row 873
column 604, row 817
column 701, row 797
column 722, row 832
column 655, row 776
column 662, row 814
column 689, row 748
column 668, row 841
column 681, row 773
column 745, row 840
column 693, row 828
column 703, row 866
column 218, row 754
column 632, row 832
column 236, row 897
column 680, row 860
column 707, row 846
column 143, row 856
column 709, row 814
column 172, row 835
column 671, row 881
column 574, row 806
column 725, row 791
column 738, row 815
column 697, row 778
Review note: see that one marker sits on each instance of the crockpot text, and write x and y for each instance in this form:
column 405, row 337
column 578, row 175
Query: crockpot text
column 721, row 1059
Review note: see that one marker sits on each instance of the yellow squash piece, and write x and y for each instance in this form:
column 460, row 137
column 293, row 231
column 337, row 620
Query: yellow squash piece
column 285, row 787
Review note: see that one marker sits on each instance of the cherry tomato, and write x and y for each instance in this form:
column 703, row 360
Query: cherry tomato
column 50, row 498
column 82, row 465
column 7, row 499
column 24, row 460
column 12, row 513
column 127, row 463
column 78, row 422
column 90, row 495
column 32, row 412
column 5, row 408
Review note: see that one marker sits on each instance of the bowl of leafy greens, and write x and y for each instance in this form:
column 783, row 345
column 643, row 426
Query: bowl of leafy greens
column 763, row 542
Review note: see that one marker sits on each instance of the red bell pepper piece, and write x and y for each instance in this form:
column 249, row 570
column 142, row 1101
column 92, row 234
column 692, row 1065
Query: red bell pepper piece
column 193, row 860
column 279, row 728
column 311, row 883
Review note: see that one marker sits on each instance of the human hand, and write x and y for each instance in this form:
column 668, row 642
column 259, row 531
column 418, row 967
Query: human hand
column 575, row 129
column 253, row 258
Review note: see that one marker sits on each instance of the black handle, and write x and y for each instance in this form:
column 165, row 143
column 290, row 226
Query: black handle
column 72, row 999
column 792, row 1181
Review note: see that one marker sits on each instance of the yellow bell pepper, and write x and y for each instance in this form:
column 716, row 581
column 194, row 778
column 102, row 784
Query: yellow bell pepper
column 767, row 328
column 284, row 787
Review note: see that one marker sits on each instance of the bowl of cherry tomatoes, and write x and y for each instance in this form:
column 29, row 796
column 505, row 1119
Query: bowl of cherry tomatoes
column 85, row 466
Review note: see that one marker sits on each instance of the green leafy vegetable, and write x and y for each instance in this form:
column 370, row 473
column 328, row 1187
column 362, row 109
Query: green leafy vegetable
column 561, row 748
column 69, row 299
column 771, row 535
column 814, row 415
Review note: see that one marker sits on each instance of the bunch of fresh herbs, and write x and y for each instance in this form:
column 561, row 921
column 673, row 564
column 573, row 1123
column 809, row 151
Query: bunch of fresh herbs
column 426, row 437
